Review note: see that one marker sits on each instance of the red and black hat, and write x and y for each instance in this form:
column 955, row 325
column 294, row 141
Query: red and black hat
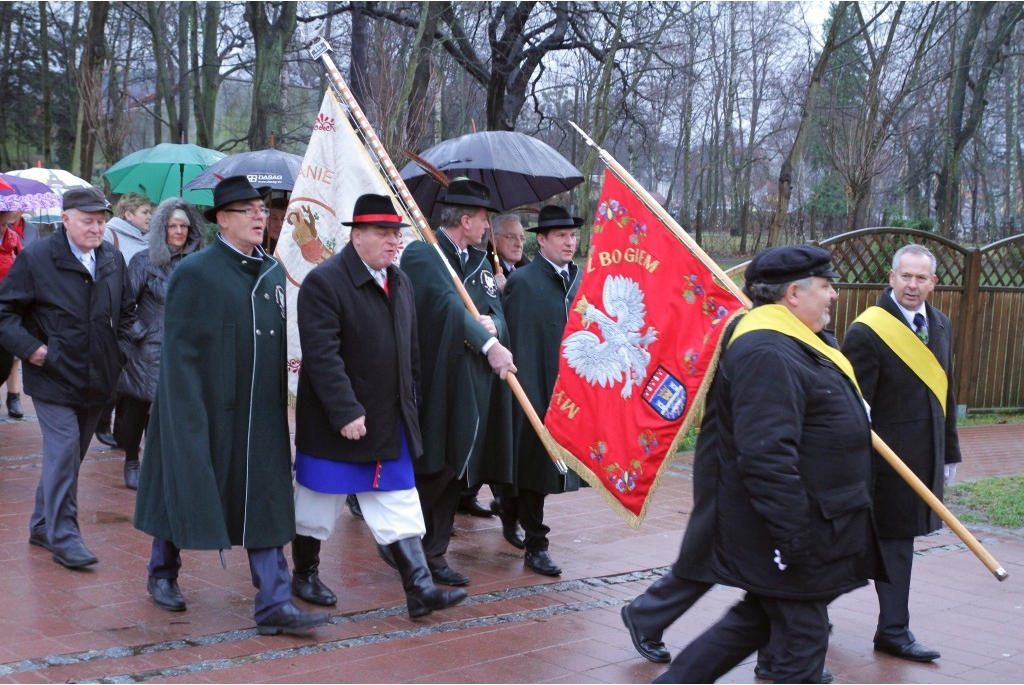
column 377, row 210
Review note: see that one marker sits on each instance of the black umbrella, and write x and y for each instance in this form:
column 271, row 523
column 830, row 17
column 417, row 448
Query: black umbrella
column 265, row 168
column 518, row 168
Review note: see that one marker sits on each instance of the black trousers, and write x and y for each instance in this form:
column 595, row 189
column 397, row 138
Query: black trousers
column 130, row 420
column 528, row 506
column 800, row 630
column 664, row 602
column 439, row 498
column 894, row 596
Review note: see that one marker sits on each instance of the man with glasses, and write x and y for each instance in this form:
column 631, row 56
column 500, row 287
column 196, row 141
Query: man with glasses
column 509, row 241
column 217, row 471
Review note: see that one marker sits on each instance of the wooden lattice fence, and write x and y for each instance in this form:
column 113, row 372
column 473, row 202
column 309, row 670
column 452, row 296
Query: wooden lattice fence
column 980, row 289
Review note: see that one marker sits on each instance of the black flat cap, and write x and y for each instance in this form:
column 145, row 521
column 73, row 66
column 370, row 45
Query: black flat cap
column 789, row 263
column 85, row 200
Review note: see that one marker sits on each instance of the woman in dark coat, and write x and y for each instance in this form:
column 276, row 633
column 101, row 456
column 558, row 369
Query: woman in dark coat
column 176, row 230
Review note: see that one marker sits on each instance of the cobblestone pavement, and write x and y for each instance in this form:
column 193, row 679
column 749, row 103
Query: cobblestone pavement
column 99, row 625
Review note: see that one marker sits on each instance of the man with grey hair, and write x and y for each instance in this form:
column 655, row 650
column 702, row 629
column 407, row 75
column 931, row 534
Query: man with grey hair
column 67, row 309
column 902, row 353
column 465, row 412
column 509, row 240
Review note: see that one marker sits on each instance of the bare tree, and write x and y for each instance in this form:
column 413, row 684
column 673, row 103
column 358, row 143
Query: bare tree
column 270, row 37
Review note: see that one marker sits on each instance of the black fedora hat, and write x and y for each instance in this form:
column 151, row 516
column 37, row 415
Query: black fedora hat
column 233, row 189
column 552, row 217
column 377, row 210
column 468, row 193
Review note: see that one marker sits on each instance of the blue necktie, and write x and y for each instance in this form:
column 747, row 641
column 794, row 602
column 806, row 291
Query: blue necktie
column 921, row 327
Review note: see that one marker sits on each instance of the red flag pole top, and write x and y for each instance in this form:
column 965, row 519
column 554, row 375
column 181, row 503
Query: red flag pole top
column 320, row 49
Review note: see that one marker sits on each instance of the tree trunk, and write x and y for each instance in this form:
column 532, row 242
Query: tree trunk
column 44, row 78
column 786, row 172
column 358, row 57
column 270, row 39
column 206, row 79
column 960, row 131
column 183, row 73
column 90, row 74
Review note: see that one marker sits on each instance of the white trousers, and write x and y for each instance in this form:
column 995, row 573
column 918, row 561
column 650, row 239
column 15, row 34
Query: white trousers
column 391, row 516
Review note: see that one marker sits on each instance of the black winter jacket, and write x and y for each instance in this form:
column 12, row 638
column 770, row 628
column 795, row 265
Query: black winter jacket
column 49, row 298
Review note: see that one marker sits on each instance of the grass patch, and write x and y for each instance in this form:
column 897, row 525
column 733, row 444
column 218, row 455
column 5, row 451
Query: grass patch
column 990, row 419
column 993, row 501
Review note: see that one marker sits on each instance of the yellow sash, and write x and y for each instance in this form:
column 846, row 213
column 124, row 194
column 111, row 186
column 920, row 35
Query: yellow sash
column 909, row 348
column 775, row 317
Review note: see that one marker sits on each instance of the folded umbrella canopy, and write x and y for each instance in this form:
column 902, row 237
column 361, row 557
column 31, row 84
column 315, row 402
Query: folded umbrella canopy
column 58, row 181
column 25, row 195
column 162, row 171
column 519, row 169
column 264, row 168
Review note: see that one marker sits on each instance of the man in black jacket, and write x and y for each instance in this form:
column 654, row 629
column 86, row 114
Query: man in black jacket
column 913, row 409
column 792, row 491
column 66, row 308
column 356, row 424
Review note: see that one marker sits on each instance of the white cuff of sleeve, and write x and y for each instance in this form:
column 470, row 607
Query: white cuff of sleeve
column 491, row 342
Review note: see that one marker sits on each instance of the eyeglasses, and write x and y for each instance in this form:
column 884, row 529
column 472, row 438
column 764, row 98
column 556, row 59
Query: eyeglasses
column 251, row 212
column 512, row 238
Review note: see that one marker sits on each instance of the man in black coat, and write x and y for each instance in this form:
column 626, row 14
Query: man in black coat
column 66, row 308
column 537, row 298
column 903, row 354
column 356, row 424
column 465, row 412
column 792, row 491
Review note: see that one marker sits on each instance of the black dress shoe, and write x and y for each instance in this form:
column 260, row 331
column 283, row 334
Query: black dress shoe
column 14, row 405
column 77, row 556
column 472, row 506
column 166, row 593
column 131, row 474
column 353, row 505
column 311, row 589
column 541, row 563
column 765, row 674
column 106, row 438
column 649, row 648
column 509, row 527
column 449, row 576
column 290, row 620
column 912, row 651
column 37, row 537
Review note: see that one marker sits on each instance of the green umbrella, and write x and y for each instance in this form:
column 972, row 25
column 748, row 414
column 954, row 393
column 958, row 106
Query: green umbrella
column 162, row 171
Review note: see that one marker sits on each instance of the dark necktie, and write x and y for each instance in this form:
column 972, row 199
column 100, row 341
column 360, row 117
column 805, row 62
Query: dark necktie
column 921, row 327
column 565, row 278
column 464, row 258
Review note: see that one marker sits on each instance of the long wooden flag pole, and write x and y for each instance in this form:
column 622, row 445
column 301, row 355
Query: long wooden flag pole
column 891, row 457
column 320, row 49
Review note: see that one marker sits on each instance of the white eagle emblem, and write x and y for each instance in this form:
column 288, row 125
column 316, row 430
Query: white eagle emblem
column 623, row 354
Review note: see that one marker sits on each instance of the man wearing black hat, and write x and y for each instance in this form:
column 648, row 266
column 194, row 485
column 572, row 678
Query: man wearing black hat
column 356, row 425
column 465, row 412
column 902, row 350
column 217, row 470
column 537, row 299
column 789, row 435
column 66, row 308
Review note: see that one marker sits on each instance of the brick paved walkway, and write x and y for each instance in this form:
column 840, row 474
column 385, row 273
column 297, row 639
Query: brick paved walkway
column 98, row 625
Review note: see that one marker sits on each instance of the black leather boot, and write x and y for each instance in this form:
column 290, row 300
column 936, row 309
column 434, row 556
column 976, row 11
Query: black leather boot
column 306, row 583
column 421, row 595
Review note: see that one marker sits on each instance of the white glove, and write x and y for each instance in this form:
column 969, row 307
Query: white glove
column 948, row 474
column 778, row 561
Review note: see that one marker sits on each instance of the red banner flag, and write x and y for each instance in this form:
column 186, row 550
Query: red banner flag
column 638, row 351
